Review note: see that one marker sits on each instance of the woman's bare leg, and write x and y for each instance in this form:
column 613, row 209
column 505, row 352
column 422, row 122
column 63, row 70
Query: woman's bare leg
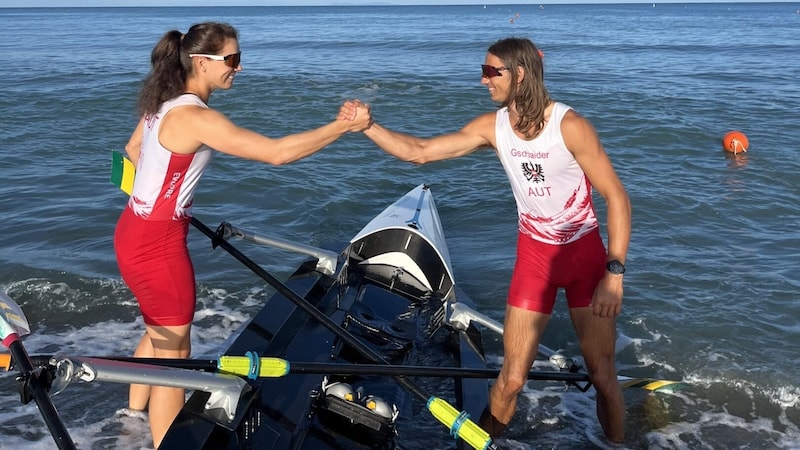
column 165, row 402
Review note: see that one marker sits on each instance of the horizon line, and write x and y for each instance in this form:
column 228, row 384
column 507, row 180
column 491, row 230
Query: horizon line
column 255, row 3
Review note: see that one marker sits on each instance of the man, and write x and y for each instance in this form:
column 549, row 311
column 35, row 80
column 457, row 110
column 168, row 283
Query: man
column 553, row 158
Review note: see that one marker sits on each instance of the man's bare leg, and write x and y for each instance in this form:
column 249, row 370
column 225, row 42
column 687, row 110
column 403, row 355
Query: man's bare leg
column 521, row 333
column 597, row 337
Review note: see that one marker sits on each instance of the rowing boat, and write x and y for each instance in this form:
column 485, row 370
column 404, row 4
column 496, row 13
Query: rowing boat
column 337, row 358
column 389, row 291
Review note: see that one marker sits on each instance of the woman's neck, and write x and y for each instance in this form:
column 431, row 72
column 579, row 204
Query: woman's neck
column 202, row 94
column 196, row 95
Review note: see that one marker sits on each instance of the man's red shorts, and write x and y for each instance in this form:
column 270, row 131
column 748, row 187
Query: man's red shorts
column 543, row 268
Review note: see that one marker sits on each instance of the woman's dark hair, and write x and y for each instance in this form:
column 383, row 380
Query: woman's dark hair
column 530, row 96
column 171, row 64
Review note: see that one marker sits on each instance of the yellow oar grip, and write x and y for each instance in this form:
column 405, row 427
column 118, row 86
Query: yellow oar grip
column 253, row 368
column 459, row 423
column 5, row 361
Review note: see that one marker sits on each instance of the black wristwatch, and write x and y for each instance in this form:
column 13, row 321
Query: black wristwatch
column 615, row 267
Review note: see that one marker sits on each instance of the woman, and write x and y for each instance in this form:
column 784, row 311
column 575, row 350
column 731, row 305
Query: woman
column 171, row 148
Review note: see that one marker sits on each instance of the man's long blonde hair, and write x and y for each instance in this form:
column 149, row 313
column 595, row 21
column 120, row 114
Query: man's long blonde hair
column 530, row 98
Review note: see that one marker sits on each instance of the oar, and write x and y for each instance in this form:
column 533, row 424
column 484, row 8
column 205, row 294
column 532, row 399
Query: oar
column 271, row 367
column 13, row 326
column 459, row 423
column 460, row 315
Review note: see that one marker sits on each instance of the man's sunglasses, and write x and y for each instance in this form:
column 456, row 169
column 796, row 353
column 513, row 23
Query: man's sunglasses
column 233, row 60
column 492, row 71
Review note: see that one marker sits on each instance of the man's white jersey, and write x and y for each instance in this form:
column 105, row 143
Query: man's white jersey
column 553, row 194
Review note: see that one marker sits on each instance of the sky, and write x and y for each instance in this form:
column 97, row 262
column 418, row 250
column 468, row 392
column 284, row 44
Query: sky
column 86, row 3
column 74, row 3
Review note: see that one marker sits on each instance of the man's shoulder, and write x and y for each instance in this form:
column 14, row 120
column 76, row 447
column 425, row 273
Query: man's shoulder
column 485, row 120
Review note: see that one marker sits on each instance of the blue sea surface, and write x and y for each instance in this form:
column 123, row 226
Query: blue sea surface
column 711, row 288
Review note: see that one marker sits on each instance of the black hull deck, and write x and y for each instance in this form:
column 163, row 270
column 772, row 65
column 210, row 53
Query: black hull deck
column 290, row 412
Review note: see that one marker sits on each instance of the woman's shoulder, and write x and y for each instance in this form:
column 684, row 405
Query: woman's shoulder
column 185, row 99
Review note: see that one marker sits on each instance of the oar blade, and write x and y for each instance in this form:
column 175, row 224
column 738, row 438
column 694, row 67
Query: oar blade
column 12, row 319
column 651, row 384
column 122, row 172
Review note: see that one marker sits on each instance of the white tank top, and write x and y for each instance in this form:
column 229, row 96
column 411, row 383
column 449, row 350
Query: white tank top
column 553, row 195
column 165, row 182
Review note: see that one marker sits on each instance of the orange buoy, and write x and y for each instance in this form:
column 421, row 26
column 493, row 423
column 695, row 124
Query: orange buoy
column 735, row 142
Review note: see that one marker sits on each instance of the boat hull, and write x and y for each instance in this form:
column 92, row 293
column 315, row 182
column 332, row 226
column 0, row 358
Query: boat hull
column 389, row 292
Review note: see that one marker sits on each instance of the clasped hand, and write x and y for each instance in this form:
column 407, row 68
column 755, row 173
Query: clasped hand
column 357, row 113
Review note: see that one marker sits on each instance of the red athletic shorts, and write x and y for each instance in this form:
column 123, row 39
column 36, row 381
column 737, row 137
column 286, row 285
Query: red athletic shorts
column 154, row 262
column 543, row 268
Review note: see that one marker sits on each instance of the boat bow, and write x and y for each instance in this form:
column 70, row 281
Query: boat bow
column 404, row 247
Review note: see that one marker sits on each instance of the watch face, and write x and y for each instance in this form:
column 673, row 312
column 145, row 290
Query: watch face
column 615, row 267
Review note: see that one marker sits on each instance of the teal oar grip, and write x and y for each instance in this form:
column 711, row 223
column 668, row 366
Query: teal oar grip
column 255, row 365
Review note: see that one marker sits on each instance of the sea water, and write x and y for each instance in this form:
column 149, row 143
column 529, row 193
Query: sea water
column 711, row 288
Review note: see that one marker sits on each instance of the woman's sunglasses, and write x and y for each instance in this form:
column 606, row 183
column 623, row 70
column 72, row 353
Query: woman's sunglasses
column 492, row 71
column 233, row 60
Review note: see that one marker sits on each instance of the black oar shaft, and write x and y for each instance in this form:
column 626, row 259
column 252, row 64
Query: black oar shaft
column 51, row 418
column 206, row 365
column 424, row 371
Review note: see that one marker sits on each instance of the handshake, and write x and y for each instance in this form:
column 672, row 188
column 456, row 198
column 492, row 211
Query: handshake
column 357, row 113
